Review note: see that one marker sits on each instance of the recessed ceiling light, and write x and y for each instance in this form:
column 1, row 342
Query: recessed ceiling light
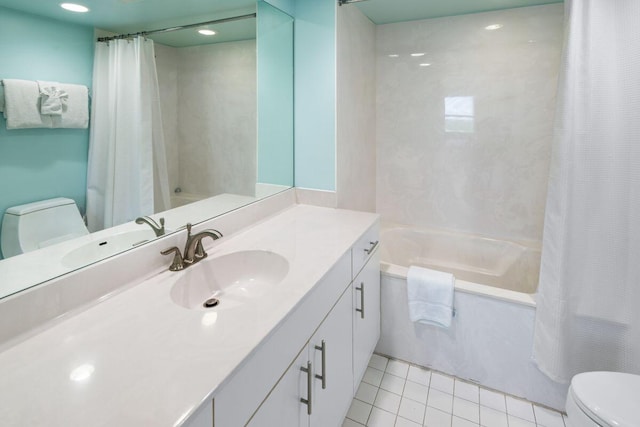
column 72, row 7
column 417, row 54
column 493, row 27
column 394, row 55
column 207, row 32
column 426, row 64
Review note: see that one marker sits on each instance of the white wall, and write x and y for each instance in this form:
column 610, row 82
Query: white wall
column 208, row 96
column 356, row 114
column 443, row 164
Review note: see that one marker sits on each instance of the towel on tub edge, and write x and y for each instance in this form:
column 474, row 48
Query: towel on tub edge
column 430, row 295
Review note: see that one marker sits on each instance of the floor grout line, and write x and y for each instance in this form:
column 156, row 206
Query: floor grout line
column 456, row 383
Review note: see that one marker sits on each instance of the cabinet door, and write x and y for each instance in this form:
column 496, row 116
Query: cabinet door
column 333, row 341
column 283, row 406
column 203, row 417
column 366, row 316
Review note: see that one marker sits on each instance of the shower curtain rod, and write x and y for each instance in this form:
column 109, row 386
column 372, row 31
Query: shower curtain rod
column 181, row 27
column 342, row 2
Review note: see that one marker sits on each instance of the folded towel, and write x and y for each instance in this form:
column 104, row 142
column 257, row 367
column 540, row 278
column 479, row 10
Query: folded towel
column 430, row 295
column 52, row 98
column 75, row 113
column 22, row 105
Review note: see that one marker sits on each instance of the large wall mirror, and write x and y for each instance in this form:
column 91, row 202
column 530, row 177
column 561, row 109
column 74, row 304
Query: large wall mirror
column 220, row 122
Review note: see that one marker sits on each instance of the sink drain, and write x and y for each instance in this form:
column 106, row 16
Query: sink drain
column 211, row 302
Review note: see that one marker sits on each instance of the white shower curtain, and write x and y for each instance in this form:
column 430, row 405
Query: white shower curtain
column 127, row 172
column 588, row 315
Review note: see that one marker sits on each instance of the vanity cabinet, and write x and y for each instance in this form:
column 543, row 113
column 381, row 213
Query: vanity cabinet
column 270, row 389
column 283, row 407
column 331, row 402
column 202, row 418
column 366, row 316
column 325, row 385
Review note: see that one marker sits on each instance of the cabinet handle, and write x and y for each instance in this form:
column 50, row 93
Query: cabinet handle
column 323, row 377
column 373, row 246
column 361, row 309
column 307, row 401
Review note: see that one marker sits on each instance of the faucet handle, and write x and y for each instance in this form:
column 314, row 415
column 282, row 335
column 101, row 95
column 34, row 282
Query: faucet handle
column 162, row 231
column 178, row 263
column 200, row 253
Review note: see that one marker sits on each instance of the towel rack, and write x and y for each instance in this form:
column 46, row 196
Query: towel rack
column 2, row 96
column 77, row 118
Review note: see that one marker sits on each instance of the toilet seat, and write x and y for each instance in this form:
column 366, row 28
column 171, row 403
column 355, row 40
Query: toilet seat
column 608, row 398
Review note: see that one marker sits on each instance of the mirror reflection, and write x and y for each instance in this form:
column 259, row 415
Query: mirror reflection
column 184, row 125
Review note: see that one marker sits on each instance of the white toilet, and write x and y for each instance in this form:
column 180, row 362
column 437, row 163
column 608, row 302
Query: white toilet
column 36, row 225
column 606, row 399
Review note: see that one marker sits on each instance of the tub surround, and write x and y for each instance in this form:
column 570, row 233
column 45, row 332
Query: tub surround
column 210, row 148
column 464, row 143
column 355, row 110
column 148, row 361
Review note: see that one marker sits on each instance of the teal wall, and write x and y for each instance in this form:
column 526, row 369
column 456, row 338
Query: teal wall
column 275, row 96
column 287, row 6
column 37, row 164
column 315, row 91
column 315, row 94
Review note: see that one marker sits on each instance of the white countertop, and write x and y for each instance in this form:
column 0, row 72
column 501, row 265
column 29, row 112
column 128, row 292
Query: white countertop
column 153, row 361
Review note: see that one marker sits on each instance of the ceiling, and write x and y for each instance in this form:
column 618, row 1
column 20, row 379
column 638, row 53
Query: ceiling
column 132, row 16
column 388, row 11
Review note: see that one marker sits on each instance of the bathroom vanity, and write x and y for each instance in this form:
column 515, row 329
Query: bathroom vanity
column 290, row 350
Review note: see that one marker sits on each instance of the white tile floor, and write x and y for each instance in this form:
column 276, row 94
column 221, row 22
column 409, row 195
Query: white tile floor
column 396, row 394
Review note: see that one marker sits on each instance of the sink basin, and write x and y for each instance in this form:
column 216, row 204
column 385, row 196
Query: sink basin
column 232, row 279
column 99, row 249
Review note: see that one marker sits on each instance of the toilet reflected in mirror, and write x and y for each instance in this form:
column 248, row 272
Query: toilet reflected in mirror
column 36, row 225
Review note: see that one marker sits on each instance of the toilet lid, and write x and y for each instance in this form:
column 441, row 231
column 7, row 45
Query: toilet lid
column 609, row 398
column 39, row 205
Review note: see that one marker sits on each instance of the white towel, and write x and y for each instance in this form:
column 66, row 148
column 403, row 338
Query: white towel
column 52, row 98
column 22, row 105
column 430, row 295
column 75, row 114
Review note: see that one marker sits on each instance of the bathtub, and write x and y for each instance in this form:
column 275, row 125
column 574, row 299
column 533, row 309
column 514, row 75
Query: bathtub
column 181, row 199
column 491, row 336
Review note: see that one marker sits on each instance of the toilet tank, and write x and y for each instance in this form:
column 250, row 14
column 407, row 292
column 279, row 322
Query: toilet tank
column 39, row 224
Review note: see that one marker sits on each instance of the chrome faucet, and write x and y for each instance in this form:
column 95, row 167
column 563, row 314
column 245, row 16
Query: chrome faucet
column 157, row 228
column 193, row 249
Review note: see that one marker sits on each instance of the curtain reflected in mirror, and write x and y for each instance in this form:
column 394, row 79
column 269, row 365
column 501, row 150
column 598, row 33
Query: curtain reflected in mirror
column 127, row 168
